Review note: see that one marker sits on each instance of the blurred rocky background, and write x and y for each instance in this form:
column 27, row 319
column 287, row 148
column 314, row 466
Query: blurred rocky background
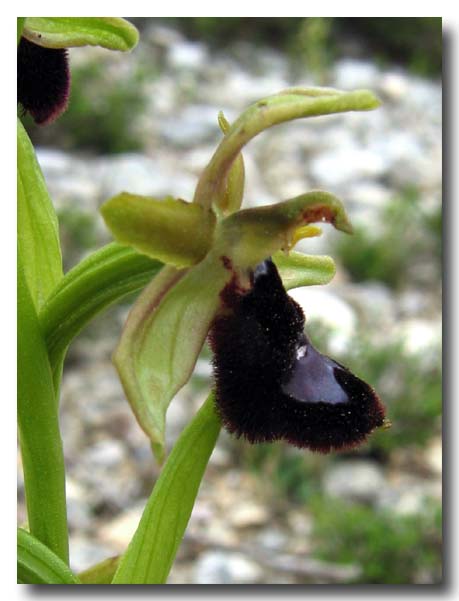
column 147, row 123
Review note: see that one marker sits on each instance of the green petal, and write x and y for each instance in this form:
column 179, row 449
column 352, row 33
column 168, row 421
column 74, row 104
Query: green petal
column 298, row 270
column 233, row 191
column 173, row 231
column 64, row 32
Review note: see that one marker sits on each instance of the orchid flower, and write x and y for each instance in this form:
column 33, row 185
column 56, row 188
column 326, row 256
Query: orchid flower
column 227, row 271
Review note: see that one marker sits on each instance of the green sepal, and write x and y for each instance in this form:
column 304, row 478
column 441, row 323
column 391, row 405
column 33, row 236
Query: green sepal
column 298, row 270
column 171, row 230
column 112, row 33
column 162, row 339
column 152, row 550
column 38, row 233
column 37, row 564
column 293, row 103
column 233, row 190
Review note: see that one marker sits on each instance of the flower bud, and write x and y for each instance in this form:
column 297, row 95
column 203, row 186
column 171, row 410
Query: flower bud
column 43, row 81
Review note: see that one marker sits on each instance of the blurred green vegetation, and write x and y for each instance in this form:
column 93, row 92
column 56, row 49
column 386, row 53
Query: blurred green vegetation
column 406, row 236
column 390, row 549
column 102, row 111
column 415, row 42
column 313, row 46
column 293, row 475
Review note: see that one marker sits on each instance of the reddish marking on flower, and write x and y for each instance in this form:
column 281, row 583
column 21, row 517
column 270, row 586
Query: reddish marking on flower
column 319, row 214
column 227, row 263
column 232, row 292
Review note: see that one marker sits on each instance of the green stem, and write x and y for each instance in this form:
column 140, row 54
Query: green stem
column 41, row 444
column 98, row 281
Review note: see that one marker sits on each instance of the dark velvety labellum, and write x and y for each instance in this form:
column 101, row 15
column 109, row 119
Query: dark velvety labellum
column 273, row 384
column 43, row 81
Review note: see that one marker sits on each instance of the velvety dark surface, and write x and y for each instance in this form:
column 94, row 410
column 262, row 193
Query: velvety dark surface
column 273, row 384
column 43, row 81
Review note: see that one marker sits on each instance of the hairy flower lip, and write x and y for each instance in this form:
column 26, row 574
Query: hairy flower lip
column 272, row 384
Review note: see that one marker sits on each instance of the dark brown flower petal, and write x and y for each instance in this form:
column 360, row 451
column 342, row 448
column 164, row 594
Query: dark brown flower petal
column 43, row 81
column 273, row 384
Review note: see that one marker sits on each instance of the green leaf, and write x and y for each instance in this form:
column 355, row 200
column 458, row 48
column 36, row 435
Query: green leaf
column 64, row 32
column 290, row 104
column 99, row 280
column 298, row 270
column 41, row 445
column 101, row 573
column 38, row 235
column 173, row 231
column 39, row 565
column 152, row 550
column 162, row 339
column 20, row 27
